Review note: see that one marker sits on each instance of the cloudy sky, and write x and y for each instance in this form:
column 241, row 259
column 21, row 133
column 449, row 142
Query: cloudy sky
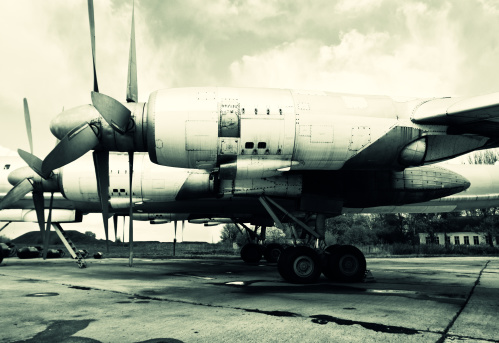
column 407, row 48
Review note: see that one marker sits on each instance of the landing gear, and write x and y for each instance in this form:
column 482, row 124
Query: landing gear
column 304, row 264
column 299, row 265
column 251, row 253
column 272, row 251
column 344, row 263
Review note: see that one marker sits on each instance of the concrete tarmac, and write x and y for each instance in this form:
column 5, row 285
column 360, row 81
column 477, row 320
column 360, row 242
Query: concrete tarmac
column 215, row 300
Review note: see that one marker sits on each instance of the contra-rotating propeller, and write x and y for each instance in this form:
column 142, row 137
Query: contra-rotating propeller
column 27, row 180
column 106, row 125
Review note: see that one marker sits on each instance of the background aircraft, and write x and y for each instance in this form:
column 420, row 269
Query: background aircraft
column 346, row 150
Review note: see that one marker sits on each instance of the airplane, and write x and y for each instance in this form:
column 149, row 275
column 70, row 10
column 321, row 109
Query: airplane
column 163, row 194
column 285, row 151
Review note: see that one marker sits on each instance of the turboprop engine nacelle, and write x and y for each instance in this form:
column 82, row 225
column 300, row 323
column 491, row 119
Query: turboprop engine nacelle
column 251, row 132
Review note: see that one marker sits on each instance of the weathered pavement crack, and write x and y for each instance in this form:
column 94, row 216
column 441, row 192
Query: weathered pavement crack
column 445, row 333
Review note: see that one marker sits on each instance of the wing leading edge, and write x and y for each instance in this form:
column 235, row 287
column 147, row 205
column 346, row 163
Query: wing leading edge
column 474, row 115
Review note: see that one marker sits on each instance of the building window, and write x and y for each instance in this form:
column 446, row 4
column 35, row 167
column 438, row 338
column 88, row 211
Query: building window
column 249, row 145
column 466, row 240
column 476, row 240
column 437, row 240
column 447, row 239
column 487, row 239
column 428, row 240
column 456, row 240
column 262, row 145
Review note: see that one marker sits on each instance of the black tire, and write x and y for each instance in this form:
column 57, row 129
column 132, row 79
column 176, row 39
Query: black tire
column 272, row 252
column 299, row 265
column 251, row 253
column 345, row 264
column 1, row 254
column 326, row 270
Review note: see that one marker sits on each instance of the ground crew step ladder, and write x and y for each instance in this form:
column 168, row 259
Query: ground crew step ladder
column 70, row 246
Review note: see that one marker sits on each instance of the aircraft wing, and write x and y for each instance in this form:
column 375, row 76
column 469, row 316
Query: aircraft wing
column 473, row 115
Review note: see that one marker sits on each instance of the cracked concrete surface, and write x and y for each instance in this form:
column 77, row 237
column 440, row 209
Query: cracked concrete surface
column 412, row 300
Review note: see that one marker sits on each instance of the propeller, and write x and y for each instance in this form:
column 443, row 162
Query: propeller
column 130, row 213
column 175, row 236
column 106, row 125
column 27, row 119
column 32, row 179
column 115, row 222
column 88, row 134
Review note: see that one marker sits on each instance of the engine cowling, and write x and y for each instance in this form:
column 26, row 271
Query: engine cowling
column 236, row 128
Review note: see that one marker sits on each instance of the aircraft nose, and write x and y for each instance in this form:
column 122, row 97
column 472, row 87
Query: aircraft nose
column 68, row 120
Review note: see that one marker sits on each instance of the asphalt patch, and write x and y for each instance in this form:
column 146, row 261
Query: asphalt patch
column 274, row 313
column 81, row 288
column 323, row 319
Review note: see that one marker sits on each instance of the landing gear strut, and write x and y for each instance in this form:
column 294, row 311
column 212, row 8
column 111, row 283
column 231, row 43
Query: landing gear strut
column 252, row 252
column 304, row 264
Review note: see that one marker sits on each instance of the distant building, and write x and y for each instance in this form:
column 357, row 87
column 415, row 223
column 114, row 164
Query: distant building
column 458, row 238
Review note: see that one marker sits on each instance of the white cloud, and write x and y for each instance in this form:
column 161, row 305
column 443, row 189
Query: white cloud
column 421, row 63
column 7, row 152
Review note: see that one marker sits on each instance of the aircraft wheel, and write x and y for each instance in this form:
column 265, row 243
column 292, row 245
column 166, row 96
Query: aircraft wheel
column 272, row 252
column 326, row 270
column 251, row 253
column 345, row 263
column 299, row 265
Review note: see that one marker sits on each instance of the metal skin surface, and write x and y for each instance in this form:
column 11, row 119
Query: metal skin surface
column 230, row 129
column 165, row 194
column 222, row 127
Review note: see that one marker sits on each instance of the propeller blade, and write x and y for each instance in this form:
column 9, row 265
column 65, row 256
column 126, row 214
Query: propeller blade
column 132, row 89
column 16, row 193
column 46, row 239
column 72, row 146
column 101, row 164
column 183, row 226
column 33, row 162
column 27, row 119
column 175, row 236
column 113, row 111
column 130, row 214
column 115, row 222
column 39, row 202
column 92, row 39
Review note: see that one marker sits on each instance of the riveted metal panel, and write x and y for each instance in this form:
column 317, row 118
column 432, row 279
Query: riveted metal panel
column 229, row 146
column 200, row 135
column 361, row 136
column 229, row 118
column 321, row 134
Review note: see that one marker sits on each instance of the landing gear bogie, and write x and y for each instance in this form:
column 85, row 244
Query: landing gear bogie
column 272, row 251
column 344, row 263
column 251, row 253
column 299, row 265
